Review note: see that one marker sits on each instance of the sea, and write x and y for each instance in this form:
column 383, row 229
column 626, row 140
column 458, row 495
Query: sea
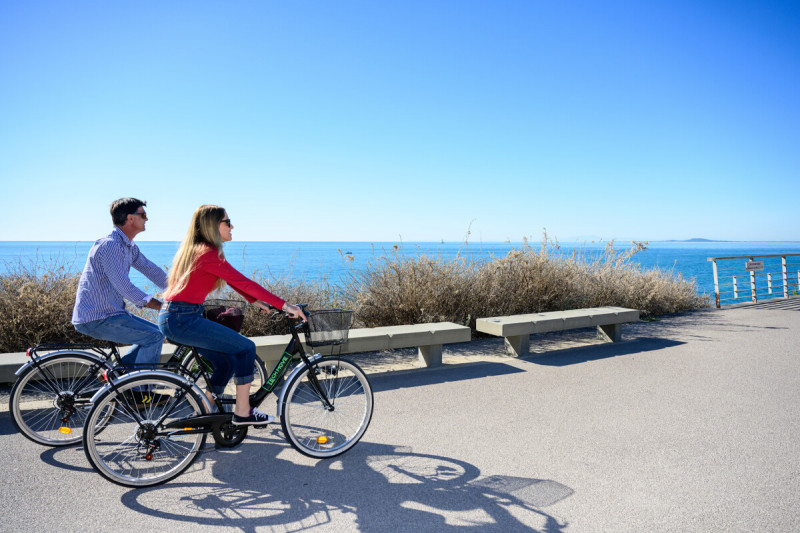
column 332, row 261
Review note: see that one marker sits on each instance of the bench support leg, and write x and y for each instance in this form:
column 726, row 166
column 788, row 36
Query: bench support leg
column 519, row 345
column 610, row 332
column 430, row 356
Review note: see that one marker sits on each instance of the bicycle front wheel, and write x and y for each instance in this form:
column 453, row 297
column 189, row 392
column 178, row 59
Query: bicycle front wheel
column 310, row 425
column 135, row 449
column 49, row 403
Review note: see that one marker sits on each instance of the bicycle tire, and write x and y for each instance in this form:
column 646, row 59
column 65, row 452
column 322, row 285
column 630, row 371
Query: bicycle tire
column 49, row 403
column 228, row 397
column 124, row 453
column 312, row 429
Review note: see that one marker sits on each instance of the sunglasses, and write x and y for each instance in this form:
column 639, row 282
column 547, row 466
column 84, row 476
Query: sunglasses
column 142, row 214
column 226, row 221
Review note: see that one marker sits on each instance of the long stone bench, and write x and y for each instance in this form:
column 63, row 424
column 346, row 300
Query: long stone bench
column 517, row 329
column 427, row 338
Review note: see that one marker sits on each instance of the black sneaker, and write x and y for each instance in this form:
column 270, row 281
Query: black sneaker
column 149, row 399
column 256, row 418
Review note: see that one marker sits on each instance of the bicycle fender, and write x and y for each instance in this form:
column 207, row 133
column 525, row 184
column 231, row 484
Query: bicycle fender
column 45, row 357
column 299, row 368
column 154, row 373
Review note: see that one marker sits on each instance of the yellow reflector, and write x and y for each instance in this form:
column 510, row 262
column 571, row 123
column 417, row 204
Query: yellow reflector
column 322, row 440
column 65, row 430
column 187, row 429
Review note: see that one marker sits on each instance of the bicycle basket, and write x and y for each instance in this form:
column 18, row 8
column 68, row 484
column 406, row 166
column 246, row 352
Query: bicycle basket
column 229, row 313
column 328, row 327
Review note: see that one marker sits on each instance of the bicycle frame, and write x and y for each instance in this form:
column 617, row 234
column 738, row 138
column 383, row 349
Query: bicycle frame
column 295, row 347
column 211, row 422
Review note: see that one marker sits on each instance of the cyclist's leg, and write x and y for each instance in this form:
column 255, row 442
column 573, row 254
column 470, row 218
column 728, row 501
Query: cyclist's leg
column 144, row 336
column 184, row 323
column 243, row 376
column 223, row 369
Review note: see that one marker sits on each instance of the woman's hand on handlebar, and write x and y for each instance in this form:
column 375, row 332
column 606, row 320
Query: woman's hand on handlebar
column 294, row 311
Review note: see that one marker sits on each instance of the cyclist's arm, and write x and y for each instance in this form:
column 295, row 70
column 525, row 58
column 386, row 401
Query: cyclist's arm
column 150, row 270
column 248, row 288
column 111, row 258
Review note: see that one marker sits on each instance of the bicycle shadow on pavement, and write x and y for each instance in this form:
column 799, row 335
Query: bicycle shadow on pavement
column 373, row 487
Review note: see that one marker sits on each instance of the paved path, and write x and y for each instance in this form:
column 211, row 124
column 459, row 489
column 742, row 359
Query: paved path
column 692, row 424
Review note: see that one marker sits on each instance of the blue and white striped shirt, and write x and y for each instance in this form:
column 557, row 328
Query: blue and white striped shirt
column 104, row 285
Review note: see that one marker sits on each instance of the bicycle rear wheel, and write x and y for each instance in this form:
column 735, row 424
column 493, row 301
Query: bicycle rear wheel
column 313, row 429
column 49, row 403
column 134, row 449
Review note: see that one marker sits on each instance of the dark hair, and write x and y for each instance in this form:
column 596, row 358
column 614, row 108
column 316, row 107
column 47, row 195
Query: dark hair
column 120, row 209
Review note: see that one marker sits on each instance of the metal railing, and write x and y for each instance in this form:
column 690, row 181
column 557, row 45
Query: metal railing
column 757, row 277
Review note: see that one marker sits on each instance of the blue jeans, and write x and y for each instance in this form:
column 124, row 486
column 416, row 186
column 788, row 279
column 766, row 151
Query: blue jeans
column 229, row 352
column 128, row 329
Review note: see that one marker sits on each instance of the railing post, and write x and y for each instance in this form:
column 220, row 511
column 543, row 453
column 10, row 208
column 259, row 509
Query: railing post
column 753, row 283
column 735, row 289
column 716, row 283
column 785, row 277
column 769, row 283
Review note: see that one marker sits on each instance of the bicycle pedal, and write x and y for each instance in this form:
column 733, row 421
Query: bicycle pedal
column 260, row 426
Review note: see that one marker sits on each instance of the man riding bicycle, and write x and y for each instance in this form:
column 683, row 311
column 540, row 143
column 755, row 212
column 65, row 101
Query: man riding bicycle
column 104, row 286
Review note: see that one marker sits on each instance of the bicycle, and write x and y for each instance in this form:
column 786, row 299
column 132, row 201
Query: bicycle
column 50, row 399
column 324, row 405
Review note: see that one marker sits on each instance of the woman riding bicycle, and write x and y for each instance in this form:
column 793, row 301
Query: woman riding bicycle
column 200, row 267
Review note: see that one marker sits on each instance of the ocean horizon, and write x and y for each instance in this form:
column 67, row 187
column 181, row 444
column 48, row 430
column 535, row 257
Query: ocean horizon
column 331, row 260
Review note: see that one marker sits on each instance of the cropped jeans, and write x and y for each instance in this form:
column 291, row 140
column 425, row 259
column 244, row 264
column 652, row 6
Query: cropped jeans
column 229, row 352
column 128, row 329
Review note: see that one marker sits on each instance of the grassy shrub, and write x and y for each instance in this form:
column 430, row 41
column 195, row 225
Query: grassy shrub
column 411, row 290
column 36, row 300
column 318, row 294
column 400, row 289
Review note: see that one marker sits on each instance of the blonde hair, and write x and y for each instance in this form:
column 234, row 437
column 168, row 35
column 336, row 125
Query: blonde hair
column 203, row 233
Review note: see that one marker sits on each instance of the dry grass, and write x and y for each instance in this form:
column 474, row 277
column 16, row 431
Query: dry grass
column 405, row 290
column 36, row 300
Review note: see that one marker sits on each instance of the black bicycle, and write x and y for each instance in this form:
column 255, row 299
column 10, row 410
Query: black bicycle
column 324, row 404
column 51, row 398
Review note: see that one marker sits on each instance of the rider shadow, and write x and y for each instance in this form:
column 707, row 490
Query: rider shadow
column 373, row 487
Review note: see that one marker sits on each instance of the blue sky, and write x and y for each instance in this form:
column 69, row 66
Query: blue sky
column 413, row 120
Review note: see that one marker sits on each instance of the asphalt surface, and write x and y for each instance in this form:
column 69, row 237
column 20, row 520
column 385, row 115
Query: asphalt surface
column 691, row 424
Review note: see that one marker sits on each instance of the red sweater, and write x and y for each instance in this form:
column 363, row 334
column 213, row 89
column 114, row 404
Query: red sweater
column 208, row 268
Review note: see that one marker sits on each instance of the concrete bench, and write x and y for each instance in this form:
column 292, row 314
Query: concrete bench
column 517, row 329
column 427, row 338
